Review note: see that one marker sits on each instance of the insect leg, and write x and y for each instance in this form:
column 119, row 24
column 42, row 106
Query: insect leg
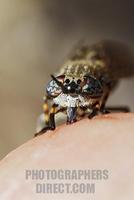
column 53, row 111
column 46, row 116
column 46, row 110
column 81, row 112
column 118, row 108
column 106, row 110
column 93, row 113
column 103, row 110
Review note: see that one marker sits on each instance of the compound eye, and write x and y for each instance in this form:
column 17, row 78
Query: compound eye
column 92, row 87
column 78, row 81
column 67, row 81
column 53, row 89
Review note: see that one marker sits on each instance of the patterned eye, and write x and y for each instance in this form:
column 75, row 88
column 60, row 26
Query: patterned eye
column 67, row 81
column 78, row 81
column 92, row 87
column 53, row 89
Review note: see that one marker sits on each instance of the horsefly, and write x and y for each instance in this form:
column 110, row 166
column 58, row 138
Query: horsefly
column 84, row 83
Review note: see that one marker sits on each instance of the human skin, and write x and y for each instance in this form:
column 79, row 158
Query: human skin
column 105, row 142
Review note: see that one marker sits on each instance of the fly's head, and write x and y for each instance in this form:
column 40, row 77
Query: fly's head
column 74, row 86
column 64, row 84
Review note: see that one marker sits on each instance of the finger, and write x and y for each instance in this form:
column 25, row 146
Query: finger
column 105, row 142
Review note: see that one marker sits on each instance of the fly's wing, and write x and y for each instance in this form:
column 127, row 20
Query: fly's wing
column 118, row 57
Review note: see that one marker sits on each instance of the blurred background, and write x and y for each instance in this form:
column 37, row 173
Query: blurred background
column 35, row 40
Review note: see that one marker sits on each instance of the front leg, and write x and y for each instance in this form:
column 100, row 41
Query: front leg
column 44, row 130
column 49, row 119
